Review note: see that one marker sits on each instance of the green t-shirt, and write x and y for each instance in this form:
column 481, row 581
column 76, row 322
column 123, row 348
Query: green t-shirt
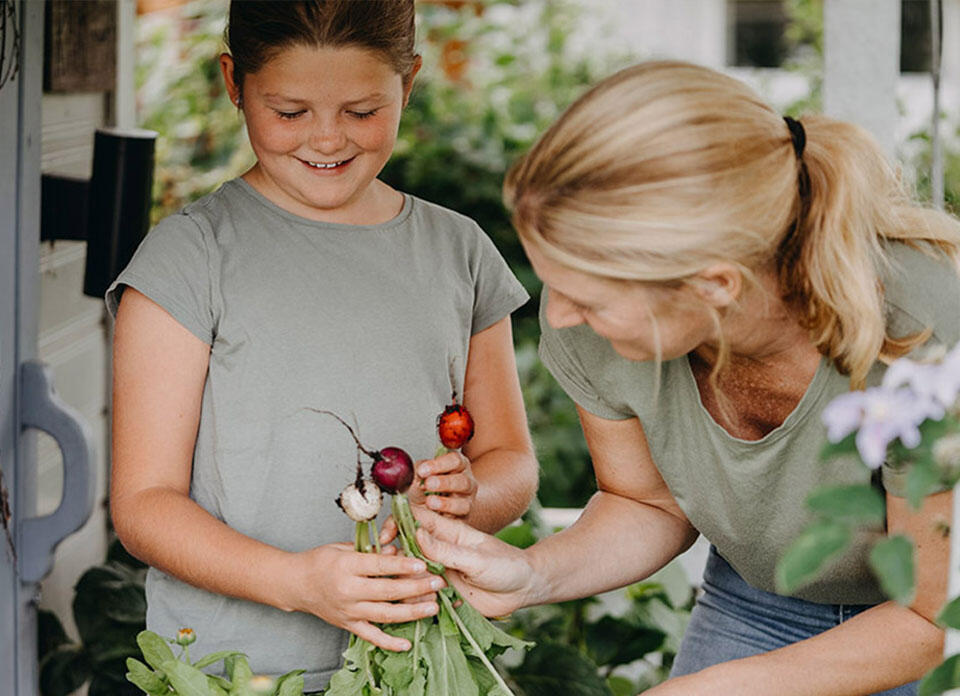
column 748, row 497
column 360, row 320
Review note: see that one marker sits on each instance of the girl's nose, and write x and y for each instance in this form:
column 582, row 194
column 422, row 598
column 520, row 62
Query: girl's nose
column 561, row 313
column 327, row 137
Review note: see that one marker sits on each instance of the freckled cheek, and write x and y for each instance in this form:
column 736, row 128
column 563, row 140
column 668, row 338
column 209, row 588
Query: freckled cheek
column 272, row 137
column 376, row 136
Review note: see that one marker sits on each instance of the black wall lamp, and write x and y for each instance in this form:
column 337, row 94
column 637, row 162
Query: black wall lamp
column 110, row 211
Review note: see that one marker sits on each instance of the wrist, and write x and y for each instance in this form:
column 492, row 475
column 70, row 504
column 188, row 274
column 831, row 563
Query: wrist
column 290, row 576
column 538, row 588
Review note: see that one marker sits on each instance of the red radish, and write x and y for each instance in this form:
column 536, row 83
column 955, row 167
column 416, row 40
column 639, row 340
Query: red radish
column 455, row 426
column 393, row 470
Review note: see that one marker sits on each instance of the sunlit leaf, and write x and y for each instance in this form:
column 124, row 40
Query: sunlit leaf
column 808, row 554
column 892, row 561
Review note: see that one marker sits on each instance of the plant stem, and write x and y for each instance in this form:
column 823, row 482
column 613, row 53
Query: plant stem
column 373, row 534
column 407, row 529
column 416, row 645
column 448, row 605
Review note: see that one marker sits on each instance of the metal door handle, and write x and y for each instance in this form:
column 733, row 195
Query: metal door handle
column 42, row 409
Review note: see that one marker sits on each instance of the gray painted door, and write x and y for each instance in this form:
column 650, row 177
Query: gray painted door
column 27, row 399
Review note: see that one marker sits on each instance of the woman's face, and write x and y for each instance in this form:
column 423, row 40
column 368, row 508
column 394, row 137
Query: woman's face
column 322, row 122
column 634, row 317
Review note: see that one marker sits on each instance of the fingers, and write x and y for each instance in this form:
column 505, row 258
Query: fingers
column 372, row 634
column 378, row 564
column 452, row 483
column 388, row 532
column 397, row 613
column 449, row 505
column 392, row 590
column 448, row 530
column 449, row 554
column 446, row 464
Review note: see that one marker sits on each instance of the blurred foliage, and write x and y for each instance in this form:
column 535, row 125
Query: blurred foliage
column 921, row 165
column 804, row 35
column 109, row 609
column 180, row 94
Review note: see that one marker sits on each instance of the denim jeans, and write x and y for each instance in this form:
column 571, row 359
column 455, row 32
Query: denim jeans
column 732, row 620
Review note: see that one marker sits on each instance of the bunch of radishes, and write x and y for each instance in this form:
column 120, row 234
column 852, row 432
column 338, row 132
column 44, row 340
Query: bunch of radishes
column 371, row 670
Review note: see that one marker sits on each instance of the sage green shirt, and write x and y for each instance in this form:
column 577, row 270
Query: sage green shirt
column 748, row 497
column 362, row 320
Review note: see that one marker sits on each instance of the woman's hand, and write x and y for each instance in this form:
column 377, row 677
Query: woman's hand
column 495, row 577
column 354, row 590
column 445, row 485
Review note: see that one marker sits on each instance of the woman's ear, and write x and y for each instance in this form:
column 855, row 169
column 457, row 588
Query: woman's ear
column 233, row 89
column 408, row 82
column 719, row 284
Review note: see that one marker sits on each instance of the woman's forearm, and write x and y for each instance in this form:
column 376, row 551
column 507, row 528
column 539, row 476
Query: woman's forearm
column 881, row 648
column 170, row 532
column 615, row 542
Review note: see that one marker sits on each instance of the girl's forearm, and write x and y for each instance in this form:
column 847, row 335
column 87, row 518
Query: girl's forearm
column 615, row 542
column 170, row 532
column 881, row 648
column 506, row 483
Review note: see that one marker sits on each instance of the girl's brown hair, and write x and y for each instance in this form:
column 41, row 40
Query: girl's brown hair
column 666, row 167
column 258, row 29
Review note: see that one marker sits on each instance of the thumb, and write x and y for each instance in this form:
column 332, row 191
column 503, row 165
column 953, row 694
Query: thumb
column 446, row 529
column 451, row 555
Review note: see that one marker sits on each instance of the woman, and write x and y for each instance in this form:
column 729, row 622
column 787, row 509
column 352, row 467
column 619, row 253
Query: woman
column 714, row 275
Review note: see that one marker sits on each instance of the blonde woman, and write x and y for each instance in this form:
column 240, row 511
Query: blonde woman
column 714, row 275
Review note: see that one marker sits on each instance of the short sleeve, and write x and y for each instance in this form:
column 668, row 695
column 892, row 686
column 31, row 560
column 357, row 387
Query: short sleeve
column 560, row 351
column 894, row 480
column 172, row 267
column 497, row 292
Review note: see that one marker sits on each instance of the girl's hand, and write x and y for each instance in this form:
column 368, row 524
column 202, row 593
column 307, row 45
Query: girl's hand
column 445, row 485
column 495, row 577
column 354, row 590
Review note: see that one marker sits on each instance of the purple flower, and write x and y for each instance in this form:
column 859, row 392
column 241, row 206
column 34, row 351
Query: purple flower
column 939, row 381
column 880, row 415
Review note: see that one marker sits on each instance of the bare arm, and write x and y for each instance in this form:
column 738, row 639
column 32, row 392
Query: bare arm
column 878, row 649
column 159, row 373
column 495, row 480
column 630, row 528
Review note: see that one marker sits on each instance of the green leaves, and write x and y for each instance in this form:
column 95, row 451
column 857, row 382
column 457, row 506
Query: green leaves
column 186, row 679
column 892, row 561
column 942, row 678
column 552, row 668
column 950, row 614
column 171, row 676
column 142, row 676
column 809, row 552
column 441, row 661
column 855, row 503
column 615, row 641
column 155, row 649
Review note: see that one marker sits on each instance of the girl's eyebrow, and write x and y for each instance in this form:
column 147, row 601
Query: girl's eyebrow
column 276, row 96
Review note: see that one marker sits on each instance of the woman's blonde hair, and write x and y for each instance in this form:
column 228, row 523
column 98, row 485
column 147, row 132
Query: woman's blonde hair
column 666, row 167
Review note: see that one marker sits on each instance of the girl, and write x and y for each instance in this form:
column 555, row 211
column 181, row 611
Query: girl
column 715, row 275
column 306, row 284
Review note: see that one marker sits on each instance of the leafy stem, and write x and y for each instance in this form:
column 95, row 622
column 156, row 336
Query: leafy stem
column 448, row 605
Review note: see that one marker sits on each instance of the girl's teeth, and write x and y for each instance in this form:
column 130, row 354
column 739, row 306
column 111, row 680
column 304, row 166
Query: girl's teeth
column 320, row 165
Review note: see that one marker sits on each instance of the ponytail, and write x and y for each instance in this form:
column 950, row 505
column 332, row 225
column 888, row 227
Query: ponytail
column 830, row 261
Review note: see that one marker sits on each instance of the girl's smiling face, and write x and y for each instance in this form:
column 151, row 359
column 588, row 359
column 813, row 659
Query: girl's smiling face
column 323, row 123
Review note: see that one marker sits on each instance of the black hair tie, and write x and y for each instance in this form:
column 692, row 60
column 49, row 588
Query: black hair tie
column 797, row 134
